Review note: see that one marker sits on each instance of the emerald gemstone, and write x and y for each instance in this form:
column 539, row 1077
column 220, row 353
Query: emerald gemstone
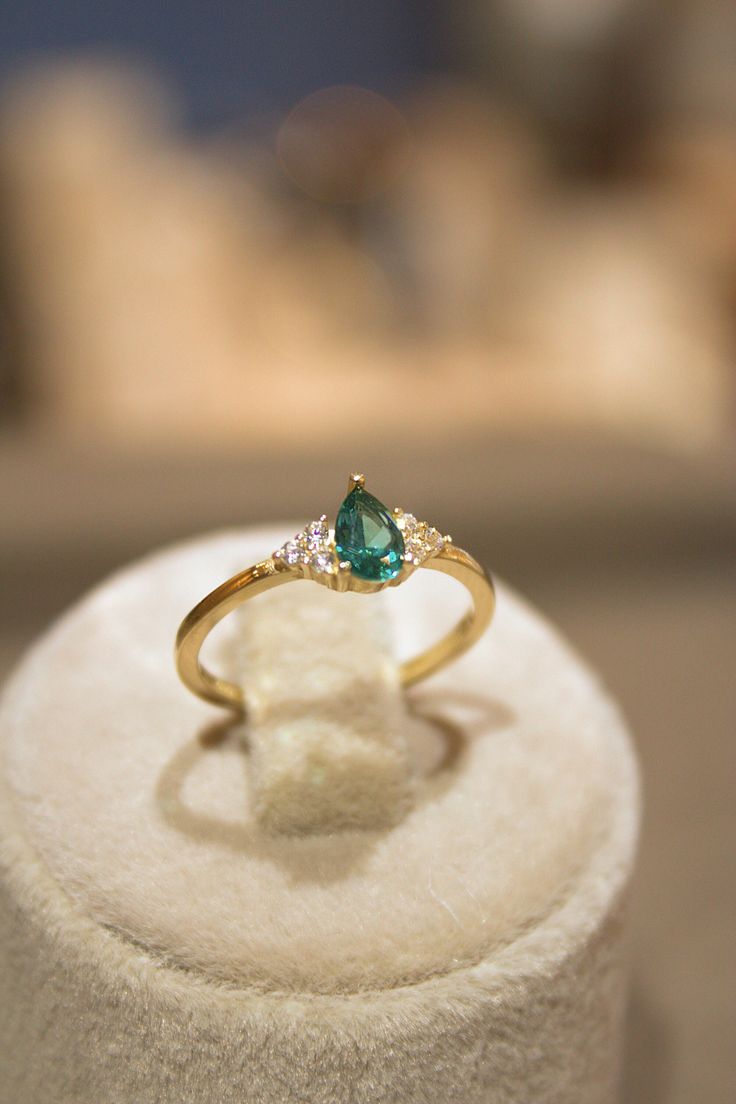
column 368, row 538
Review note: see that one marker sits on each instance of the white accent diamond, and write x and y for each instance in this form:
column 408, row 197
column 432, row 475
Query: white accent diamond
column 317, row 532
column 312, row 547
column 323, row 561
column 421, row 540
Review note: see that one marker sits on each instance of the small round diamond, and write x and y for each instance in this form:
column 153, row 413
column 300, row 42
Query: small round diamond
column 312, row 547
column 420, row 540
column 322, row 561
column 292, row 553
column 317, row 532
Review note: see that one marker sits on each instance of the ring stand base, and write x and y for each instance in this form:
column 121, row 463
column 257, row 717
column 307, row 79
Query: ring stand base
column 327, row 738
column 158, row 944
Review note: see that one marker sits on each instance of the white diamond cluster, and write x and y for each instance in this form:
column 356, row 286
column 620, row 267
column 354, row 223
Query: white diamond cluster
column 313, row 547
column 421, row 540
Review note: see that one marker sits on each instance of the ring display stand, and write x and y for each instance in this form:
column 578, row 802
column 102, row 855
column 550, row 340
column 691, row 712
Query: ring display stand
column 163, row 941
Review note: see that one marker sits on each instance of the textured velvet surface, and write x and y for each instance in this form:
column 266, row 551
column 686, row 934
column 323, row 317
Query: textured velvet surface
column 472, row 951
column 327, row 733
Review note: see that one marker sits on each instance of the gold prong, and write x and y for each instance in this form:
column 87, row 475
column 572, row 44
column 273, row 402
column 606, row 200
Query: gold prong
column 357, row 479
column 342, row 576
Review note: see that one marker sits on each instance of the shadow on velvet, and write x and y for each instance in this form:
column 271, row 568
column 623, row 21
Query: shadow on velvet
column 442, row 724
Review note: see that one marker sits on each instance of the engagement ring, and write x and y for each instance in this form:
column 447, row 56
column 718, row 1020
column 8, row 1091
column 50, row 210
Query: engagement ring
column 369, row 549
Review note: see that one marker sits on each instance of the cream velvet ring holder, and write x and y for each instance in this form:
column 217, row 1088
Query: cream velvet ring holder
column 159, row 943
column 328, row 727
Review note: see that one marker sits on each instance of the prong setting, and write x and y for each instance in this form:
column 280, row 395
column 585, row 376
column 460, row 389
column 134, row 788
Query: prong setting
column 356, row 479
column 311, row 553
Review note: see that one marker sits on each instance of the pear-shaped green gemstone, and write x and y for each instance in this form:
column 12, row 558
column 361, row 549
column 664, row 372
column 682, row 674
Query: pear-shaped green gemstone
column 367, row 537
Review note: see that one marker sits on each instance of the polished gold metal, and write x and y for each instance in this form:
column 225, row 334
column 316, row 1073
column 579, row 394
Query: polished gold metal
column 274, row 571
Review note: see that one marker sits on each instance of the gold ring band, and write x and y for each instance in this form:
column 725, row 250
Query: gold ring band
column 398, row 545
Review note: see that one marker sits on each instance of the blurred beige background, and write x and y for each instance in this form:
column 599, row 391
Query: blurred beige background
column 504, row 286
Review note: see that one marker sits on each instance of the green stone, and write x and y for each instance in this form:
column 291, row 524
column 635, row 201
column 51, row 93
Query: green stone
column 368, row 538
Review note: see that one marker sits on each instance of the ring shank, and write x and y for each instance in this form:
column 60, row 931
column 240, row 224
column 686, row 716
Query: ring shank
column 461, row 566
column 268, row 574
